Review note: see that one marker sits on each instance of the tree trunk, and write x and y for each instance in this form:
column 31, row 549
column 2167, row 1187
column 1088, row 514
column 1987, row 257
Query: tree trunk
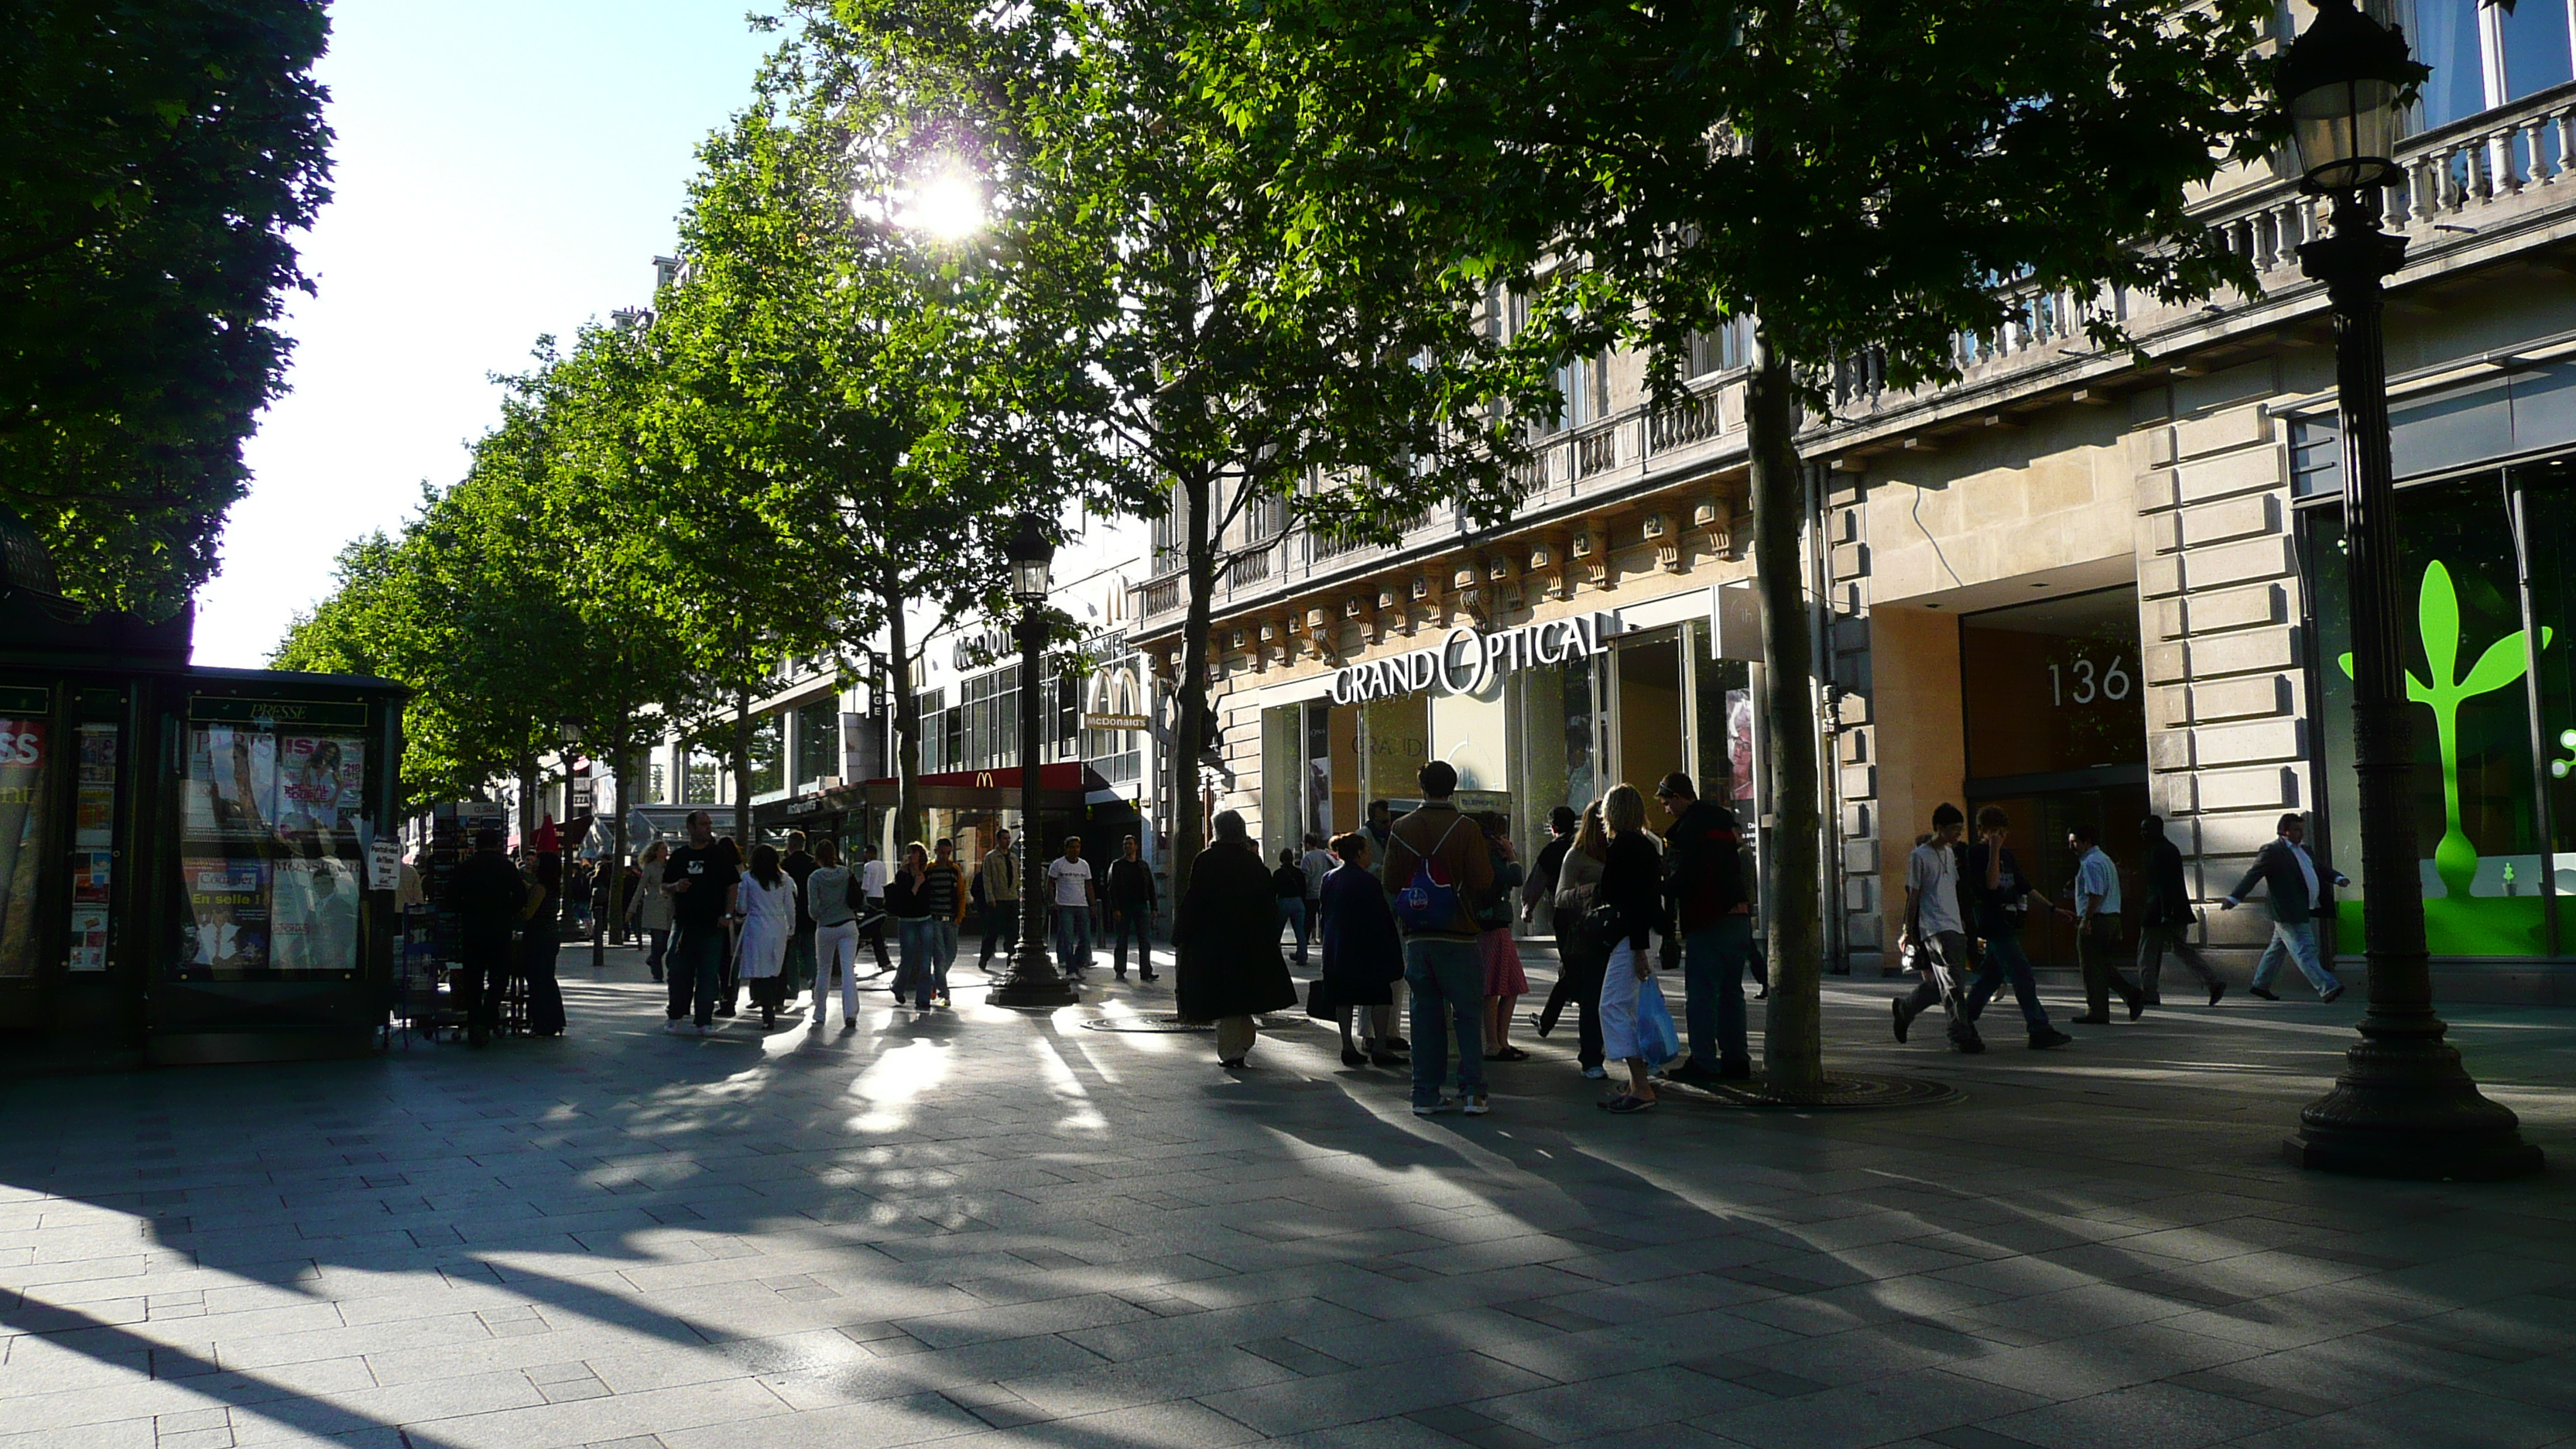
column 742, row 772
column 528, row 800
column 1793, row 1048
column 1189, row 740
column 907, row 723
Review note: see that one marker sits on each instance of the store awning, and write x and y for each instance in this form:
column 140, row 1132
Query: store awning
column 1064, row 785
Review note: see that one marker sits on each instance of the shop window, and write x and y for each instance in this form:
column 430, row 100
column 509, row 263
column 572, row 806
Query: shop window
column 2481, row 813
column 270, row 826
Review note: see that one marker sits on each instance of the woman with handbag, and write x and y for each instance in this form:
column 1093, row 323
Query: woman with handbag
column 1579, row 957
column 1631, row 907
column 1363, row 956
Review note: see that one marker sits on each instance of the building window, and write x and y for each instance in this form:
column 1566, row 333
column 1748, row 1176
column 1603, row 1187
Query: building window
column 768, row 754
column 2484, row 56
column 655, row 785
column 818, row 740
column 699, row 777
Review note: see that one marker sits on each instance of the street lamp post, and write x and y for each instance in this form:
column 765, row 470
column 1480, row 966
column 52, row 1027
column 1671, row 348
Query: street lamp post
column 2404, row 1106
column 1033, row 981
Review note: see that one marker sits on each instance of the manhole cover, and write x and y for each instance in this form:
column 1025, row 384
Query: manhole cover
column 1842, row 1091
column 1166, row 1022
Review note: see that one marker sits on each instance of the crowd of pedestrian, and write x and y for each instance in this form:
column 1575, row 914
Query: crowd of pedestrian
column 1416, row 913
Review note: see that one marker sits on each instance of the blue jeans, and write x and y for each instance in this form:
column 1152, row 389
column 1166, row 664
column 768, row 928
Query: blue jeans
column 2005, row 959
column 1448, row 981
column 1292, row 912
column 920, row 938
column 2296, row 940
column 1073, row 938
column 696, row 967
column 1713, row 961
column 943, row 940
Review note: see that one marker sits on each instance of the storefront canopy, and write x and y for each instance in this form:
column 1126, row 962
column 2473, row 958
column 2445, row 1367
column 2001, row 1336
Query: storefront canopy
column 1064, row 785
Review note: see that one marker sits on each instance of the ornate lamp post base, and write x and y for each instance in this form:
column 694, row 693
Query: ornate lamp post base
column 2404, row 1107
column 1033, row 981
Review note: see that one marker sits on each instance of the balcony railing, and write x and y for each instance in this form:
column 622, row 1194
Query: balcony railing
column 1596, row 451
column 1695, row 419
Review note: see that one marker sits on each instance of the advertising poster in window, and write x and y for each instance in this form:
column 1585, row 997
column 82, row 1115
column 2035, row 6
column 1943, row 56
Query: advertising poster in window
column 321, row 783
column 227, row 930
column 93, row 847
column 313, row 915
column 22, row 844
column 232, row 782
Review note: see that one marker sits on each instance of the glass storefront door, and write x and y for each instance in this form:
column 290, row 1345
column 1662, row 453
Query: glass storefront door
column 2055, row 714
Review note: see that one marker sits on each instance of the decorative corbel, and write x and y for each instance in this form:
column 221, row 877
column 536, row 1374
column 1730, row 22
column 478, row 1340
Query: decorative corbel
column 1714, row 519
column 1426, row 592
column 1547, row 570
column 1394, row 612
column 1591, row 553
column 1661, row 530
column 1323, row 635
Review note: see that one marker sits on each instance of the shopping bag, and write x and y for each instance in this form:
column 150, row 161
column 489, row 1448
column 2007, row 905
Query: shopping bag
column 1319, row 1005
column 1655, row 1034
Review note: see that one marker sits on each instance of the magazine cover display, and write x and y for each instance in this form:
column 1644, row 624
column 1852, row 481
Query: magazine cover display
column 272, row 823
column 23, row 757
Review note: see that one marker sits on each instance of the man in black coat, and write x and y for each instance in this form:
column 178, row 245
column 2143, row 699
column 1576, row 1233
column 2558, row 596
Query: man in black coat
column 488, row 896
column 2166, row 922
column 2298, row 894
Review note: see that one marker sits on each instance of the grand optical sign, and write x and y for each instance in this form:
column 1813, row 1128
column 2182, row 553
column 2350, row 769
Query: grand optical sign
column 1466, row 659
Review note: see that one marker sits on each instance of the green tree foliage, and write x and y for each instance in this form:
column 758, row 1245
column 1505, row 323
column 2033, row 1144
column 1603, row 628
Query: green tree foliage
column 155, row 157
column 1856, row 176
column 1215, row 366
column 837, row 373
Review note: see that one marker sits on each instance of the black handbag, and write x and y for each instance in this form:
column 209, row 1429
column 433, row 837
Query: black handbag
column 1318, row 1005
column 1605, row 926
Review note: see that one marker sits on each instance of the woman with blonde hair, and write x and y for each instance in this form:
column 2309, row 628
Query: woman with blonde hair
column 1631, row 890
column 1579, row 957
column 650, row 909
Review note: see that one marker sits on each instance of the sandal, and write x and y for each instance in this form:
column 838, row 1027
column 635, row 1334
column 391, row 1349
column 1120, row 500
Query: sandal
column 1507, row 1054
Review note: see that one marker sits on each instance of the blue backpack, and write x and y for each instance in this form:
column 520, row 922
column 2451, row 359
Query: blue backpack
column 1428, row 903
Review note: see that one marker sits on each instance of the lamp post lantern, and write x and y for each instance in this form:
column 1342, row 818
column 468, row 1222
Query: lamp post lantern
column 2404, row 1106
column 1033, row 981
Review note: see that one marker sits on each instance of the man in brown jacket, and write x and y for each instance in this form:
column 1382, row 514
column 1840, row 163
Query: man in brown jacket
column 1446, row 850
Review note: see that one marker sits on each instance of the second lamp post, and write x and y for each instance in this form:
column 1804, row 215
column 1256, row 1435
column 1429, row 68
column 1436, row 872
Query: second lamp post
column 1033, row 981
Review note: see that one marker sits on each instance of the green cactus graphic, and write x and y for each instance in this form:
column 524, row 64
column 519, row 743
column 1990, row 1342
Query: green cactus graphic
column 2438, row 622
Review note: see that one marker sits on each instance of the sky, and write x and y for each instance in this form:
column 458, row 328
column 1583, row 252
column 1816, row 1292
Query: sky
column 500, row 171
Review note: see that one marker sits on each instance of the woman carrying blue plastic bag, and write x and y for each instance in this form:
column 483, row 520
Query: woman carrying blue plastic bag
column 1635, row 1026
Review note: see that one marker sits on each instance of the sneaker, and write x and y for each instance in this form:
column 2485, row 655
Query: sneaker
column 706, row 1028
column 1902, row 1020
column 1595, row 1074
column 676, row 1025
column 2259, row 994
column 2329, row 998
column 2048, row 1038
column 1443, row 1105
column 1963, row 1035
column 1476, row 1106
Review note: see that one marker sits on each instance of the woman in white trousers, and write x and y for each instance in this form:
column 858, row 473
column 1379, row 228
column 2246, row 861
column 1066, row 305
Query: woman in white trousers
column 828, row 892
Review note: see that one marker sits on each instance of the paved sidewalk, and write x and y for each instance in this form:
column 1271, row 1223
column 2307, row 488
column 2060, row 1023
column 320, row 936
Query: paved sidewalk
column 989, row 1228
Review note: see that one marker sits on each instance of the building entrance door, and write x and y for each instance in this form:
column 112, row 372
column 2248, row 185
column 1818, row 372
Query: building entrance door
column 2054, row 709
column 1646, row 711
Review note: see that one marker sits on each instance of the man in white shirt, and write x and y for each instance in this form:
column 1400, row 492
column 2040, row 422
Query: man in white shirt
column 872, row 884
column 2097, row 930
column 1070, row 876
column 1934, row 931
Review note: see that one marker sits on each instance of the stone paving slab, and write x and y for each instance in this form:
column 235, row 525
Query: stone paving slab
column 995, row 1228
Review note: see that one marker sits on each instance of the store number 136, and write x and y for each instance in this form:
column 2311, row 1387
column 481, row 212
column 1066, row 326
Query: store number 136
column 2082, row 683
